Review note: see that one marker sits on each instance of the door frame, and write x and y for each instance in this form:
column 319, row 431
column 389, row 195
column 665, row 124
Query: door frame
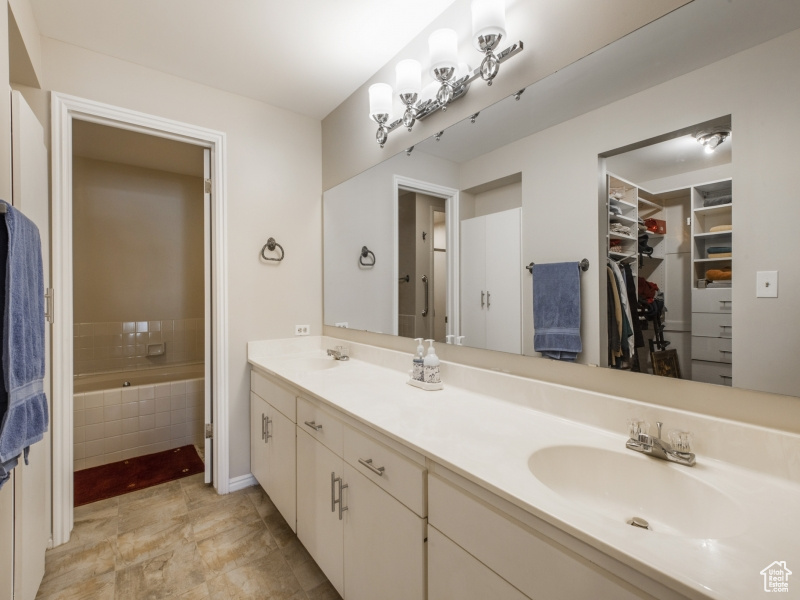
column 450, row 195
column 64, row 109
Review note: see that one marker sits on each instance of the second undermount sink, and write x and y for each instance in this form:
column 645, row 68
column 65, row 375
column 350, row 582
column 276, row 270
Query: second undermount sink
column 624, row 486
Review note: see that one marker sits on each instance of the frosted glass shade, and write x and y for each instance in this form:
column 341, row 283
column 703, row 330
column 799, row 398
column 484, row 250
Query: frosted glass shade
column 443, row 47
column 488, row 18
column 380, row 99
column 409, row 77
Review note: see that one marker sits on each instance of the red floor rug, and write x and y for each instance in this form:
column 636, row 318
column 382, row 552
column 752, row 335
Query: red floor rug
column 125, row 476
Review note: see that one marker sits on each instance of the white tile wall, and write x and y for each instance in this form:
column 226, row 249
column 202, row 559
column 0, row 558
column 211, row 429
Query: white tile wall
column 114, row 425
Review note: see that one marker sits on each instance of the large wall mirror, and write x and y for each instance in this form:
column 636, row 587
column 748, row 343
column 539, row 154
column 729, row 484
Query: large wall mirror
column 549, row 175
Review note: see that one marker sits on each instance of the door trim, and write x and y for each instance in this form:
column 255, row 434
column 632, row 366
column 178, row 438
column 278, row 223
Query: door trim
column 453, row 220
column 64, row 109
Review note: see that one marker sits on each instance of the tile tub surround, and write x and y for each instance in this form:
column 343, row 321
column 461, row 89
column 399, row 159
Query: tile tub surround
column 485, row 425
column 115, row 424
column 122, row 345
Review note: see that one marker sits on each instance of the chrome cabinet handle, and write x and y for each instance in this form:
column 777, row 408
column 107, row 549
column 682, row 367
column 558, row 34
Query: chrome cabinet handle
column 266, row 430
column 263, row 427
column 488, row 299
column 334, row 501
column 368, row 463
column 313, row 425
column 727, row 326
column 482, row 295
column 726, row 376
column 726, row 301
column 425, row 283
column 727, row 351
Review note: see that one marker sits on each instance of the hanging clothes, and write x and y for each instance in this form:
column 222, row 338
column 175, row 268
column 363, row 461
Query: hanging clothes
column 627, row 315
column 614, row 320
column 638, row 338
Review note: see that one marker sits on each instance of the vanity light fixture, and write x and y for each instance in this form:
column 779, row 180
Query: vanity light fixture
column 710, row 139
column 451, row 79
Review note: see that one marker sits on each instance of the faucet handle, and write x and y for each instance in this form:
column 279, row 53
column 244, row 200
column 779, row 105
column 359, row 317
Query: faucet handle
column 681, row 441
column 636, row 427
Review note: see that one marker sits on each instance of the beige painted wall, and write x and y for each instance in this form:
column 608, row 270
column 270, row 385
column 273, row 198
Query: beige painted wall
column 348, row 133
column 273, row 189
column 138, row 243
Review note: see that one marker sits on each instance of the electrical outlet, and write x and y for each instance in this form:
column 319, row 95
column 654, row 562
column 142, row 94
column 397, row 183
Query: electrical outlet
column 342, row 324
column 302, row 329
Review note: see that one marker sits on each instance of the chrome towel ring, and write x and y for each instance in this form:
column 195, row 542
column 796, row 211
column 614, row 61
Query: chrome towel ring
column 271, row 245
column 366, row 252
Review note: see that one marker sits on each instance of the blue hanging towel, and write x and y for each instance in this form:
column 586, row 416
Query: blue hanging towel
column 24, row 416
column 557, row 310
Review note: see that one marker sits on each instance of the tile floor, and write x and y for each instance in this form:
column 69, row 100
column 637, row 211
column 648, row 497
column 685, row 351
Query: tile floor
column 182, row 540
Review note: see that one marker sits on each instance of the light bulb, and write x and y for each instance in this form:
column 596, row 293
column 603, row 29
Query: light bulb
column 443, row 47
column 488, row 19
column 380, row 100
column 409, row 77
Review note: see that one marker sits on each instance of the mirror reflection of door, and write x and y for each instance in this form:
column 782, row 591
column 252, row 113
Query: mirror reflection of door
column 422, row 289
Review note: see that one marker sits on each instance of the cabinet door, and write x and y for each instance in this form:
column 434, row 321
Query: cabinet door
column 258, row 449
column 282, row 478
column 454, row 573
column 318, row 527
column 384, row 544
column 504, row 281
column 473, row 278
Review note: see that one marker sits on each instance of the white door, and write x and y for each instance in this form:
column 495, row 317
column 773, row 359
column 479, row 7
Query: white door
column 504, row 281
column 473, row 277
column 32, row 482
column 208, row 455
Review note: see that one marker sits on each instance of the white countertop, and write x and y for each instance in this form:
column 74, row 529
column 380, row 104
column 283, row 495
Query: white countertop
column 489, row 441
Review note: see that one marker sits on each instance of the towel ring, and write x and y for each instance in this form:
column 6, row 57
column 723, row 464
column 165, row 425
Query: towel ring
column 584, row 265
column 365, row 252
column 271, row 245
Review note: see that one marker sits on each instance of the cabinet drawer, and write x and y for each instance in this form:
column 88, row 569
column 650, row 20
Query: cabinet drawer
column 277, row 396
column 711, row 300
column 712, row 372
column 320, row 425
column 712, row 349
column 712, row 325
column 402, row 478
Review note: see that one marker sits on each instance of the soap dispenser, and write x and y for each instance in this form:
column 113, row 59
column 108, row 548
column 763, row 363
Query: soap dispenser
column 431, row 364
column 418, row 373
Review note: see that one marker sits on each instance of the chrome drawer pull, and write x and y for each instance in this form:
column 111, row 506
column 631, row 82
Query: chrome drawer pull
column 368, row 463
column 727, row 326
column 727, row 376
column 268, row 434
column 727, row 351
column 334, row 501
column 726, row 301
column 313, row 425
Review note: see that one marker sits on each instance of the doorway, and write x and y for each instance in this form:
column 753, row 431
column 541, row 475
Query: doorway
column 66, row 112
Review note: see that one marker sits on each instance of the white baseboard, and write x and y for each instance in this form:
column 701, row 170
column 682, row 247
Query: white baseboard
column 241, row 482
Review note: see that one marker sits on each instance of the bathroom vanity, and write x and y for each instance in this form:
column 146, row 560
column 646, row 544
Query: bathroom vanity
column 504, row 487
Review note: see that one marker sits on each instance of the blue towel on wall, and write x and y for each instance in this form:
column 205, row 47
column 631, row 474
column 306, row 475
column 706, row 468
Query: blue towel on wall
column 24, row 418
column 557, row 310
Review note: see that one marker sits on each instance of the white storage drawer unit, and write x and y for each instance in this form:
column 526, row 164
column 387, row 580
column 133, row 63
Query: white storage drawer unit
column 321, row 425
column 712, row 325
column 712, row 349
column 712, row 335
column 712, row 372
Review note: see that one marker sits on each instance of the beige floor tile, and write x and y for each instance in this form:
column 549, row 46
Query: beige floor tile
column 269, row 577
column 279, row 529
column 92, row 523
column 148, row 510
column 96, row 588
column 308, row 573
column 199, row 494
column 66, row 569
column 325, row 591
column 152, row 539
column 236, row 547
column 261, row 501
column 164, row 489
column 167, row 576
column 212, row 519
column 198, row 593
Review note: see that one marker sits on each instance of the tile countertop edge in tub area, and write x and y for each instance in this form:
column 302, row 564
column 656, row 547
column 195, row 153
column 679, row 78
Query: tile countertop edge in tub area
column 743, row 518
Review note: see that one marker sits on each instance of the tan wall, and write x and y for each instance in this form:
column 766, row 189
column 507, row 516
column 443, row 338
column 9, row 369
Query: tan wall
column 138, row 243
column 273, row 189
column 348, row 134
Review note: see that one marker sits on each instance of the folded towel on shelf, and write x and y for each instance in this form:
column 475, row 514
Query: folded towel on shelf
column 718, row 249
column 557, row 310
column 615, row 210
column 719, row 284
column 619, row 228
column 719, row 274
column 720, row 254
column 717, row 228
column 23, row 404
column 718, row 200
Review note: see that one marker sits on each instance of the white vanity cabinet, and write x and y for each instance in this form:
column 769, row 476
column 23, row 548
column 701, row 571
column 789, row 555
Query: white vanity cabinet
column 353, row 513
column 272, row 443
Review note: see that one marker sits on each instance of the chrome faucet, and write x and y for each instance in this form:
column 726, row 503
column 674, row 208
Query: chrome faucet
column 678, row 452
column 339, row 353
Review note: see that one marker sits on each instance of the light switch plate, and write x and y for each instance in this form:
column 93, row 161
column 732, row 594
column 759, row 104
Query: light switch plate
column 766, row 284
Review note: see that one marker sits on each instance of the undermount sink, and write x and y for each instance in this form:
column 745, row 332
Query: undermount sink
column 309, row 363
column 624, row 486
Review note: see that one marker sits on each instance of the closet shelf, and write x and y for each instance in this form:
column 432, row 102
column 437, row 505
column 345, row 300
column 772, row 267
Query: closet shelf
column 614, row 217
column 622, row 236
column 616, row 202
column 713, row 234
column 618, row 256
column 713, row 210
column 710, row 260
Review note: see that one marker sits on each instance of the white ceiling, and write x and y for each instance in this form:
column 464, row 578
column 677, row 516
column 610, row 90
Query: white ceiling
column 306, row 56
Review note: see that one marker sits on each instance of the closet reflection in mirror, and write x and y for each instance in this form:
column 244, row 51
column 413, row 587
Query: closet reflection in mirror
column 550, row 141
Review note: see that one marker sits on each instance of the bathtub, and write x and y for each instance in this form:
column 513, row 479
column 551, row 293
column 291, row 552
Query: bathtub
column 161, row 409
column 103, row 381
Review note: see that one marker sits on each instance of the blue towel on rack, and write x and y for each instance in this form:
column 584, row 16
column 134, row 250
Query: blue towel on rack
column 23, row 405
column 557, row 310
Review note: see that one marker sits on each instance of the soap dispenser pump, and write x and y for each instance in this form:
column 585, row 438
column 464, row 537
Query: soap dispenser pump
column 418, row 372
column 431, row 365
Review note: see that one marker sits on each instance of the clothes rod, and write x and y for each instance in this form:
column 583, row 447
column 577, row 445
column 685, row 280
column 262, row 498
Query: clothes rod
column 584, row 265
